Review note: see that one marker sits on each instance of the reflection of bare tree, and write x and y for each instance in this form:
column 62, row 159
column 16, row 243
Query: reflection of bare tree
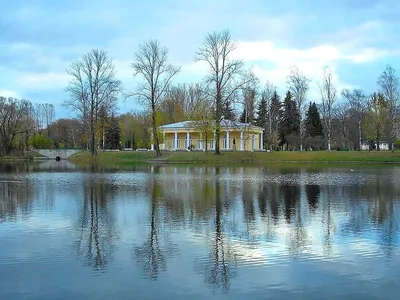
column 389, row 230
column 298, row 235
column 385, row 218
column 220, row 267
column 267, row 215
column 153, row 253
column 96, row 240
column 327, row 223
column 15, row 198
column 312, row 192
column 248, row 207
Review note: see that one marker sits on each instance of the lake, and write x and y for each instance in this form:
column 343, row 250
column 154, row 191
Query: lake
column 177, row 232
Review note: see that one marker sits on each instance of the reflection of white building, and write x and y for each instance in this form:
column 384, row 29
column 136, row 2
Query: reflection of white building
column 374, row 146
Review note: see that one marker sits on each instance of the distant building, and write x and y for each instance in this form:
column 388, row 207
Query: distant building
column 374, row 146
column 233, row 136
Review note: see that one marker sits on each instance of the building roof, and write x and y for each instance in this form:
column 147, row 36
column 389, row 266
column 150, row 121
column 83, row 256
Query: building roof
column 224, row 124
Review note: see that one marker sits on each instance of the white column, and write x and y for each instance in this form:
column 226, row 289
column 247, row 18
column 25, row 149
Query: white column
column 261, row 141
column 201, row 141
column 152, row 141
column 241, row 141
column 187, row 139
column 164, row 141
column 175, row 140
column 228, row 144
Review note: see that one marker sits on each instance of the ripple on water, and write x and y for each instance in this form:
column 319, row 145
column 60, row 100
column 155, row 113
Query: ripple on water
column 268, row 234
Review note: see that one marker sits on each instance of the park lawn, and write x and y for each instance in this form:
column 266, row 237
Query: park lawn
column 240, row 158
column 113, row 158
column 285, row 157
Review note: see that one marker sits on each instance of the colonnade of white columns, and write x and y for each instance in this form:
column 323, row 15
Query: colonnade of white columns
column 227, row 145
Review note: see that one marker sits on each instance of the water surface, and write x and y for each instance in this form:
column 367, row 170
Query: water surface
column 198, row 232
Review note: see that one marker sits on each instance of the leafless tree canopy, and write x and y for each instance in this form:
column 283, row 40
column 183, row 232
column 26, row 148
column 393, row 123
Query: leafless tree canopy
column 388, row 83
column 180, row 100
column 13, row 116
column 328, row 97
column 357, row 108
column 93, row 86
column 151, row 63
column 299, row 85
column 226, row 77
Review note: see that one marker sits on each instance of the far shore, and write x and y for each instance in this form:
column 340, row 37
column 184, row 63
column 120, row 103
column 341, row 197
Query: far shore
column 109, row 158
column 239, row 158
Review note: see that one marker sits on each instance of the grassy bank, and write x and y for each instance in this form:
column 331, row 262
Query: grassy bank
column 240, row 158
column 113, row 158
column 21, row 156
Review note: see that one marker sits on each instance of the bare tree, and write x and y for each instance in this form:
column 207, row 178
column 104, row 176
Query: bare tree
column 49, row 116
column 358, row 107
column 179, row 102
column 328, row 96
column 389, row 87
column 151, row 62
column 39, row 116
column 299, row 85
column 226, row 77
column 266, row 95
column 93, row 85
column 13, row 114
column 341, row 114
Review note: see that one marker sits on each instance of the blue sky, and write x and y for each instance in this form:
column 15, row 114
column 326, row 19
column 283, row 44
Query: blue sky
column 40, row 38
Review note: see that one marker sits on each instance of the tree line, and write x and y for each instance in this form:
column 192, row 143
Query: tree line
column 341, row 119
column 338, row 119
column 24, row 124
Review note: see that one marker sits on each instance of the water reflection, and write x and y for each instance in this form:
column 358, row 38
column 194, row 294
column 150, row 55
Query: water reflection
column 220, row 266
column 15, row 198
column 97, row 237
column 157, row 247
column 312, row 192
column 237, row 230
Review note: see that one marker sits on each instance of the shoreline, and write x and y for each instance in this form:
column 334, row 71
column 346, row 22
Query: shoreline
column 240, row 158
column 324, row 158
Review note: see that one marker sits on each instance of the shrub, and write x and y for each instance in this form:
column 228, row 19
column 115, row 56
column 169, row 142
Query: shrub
column 40, row 142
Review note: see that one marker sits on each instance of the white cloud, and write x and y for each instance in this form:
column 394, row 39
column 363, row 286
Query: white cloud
column 280, row 60
column 8, row 93
column 41, row 81
column 124, row 69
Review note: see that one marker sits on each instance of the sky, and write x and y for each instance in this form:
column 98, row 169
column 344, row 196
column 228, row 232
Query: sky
column 40, row 39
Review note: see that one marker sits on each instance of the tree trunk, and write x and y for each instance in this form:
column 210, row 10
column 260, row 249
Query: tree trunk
column 206, row 143
column 155, row 135
column 301, row 134
column 93, row 141
column 378, row 137
column 217, row 135
column 104, row 138
column 218, row 117
column 329, row 135
column 359, row 135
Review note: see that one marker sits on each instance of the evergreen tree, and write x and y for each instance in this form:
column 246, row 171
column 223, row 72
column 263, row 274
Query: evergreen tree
column 228, row 112
column 275, row 116
column 243, row 118
column 290, row 124
column 262, row 114
column 113, row 137
column 313, row 121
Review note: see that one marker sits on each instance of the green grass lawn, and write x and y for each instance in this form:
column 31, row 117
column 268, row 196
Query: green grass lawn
column 227, row 158
column 113, row 158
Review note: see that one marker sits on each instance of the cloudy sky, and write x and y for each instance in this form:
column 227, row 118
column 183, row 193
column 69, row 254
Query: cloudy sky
column 39, row 39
